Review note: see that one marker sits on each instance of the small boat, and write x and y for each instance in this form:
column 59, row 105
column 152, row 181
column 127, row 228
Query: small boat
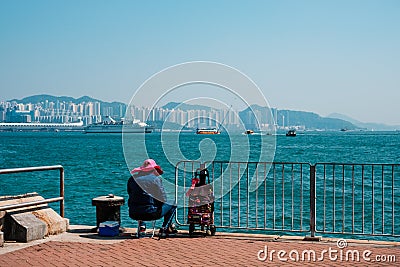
column 207, row 131
column 249, row 132
column 291, row 133
column 212, row 130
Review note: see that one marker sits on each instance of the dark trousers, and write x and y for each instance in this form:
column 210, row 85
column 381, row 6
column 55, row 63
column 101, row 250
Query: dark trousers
column 168, row 212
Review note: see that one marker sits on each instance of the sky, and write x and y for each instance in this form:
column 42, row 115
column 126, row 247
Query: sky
column 318, row 56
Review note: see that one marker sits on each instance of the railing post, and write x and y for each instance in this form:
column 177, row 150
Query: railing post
column 312, row 200
column 62, row 191
column 45, row 201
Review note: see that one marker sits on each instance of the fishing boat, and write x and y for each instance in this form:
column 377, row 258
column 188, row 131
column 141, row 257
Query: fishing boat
column 249, row 132
column 291, row 133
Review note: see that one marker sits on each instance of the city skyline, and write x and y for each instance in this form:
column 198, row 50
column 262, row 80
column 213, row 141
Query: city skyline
column 90, row 111
column 51, row 109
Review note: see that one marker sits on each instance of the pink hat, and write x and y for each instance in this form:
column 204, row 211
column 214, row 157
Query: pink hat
column 148, row 165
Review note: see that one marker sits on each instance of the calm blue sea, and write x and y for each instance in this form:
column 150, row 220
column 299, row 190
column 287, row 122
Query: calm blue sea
column 95, row 164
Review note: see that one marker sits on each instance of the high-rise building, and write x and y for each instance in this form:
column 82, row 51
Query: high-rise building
column 89, row 109
column 97, row 109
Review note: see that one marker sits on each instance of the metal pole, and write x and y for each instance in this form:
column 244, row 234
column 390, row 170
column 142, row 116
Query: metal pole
column 62, row 191
column 312, row 200
column 41, row 168
column 32, row 203
column 176, row 188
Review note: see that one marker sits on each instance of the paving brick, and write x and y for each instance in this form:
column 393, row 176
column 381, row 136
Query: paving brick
column 184, row 252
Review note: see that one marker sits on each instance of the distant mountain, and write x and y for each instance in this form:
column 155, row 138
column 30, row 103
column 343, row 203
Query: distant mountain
column 118, row 107
column 51, row 98
column 314, row 121
column 185, row 107
column 289, row 118
column 364, row 125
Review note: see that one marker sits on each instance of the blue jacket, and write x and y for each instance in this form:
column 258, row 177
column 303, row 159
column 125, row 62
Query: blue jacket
column 146, row 196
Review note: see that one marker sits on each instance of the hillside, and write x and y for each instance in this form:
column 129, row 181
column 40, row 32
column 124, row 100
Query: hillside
column 50, row 98
column 309, row 120
column 365, row 125
column 117, row 106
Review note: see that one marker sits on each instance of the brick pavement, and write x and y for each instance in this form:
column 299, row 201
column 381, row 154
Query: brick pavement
column 184, row 251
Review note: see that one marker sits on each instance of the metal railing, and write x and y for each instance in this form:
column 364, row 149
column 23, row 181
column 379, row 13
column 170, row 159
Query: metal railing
column 325, row 198
column 38, row 202
column 361, row 199
column 253, row 195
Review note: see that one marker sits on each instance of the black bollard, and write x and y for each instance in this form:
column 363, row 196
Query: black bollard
column 108, row 208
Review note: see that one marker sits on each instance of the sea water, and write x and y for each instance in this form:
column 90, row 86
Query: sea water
column 95, row 164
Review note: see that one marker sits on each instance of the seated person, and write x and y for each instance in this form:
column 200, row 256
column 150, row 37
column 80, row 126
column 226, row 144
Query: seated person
column 147, row 197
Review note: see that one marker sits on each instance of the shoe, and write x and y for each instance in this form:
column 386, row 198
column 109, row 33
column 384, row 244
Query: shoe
column 142, row 229
column 166, row 231
column 172, row 229
column 162, row 233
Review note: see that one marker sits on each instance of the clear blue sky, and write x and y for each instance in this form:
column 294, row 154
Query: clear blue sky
column 320, row 56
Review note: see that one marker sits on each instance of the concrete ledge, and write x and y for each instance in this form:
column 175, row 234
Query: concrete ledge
column 55, row 224
column 30, row 223
column 23, row 227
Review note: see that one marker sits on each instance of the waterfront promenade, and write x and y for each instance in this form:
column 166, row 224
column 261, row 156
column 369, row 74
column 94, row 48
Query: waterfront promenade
column 80, row 247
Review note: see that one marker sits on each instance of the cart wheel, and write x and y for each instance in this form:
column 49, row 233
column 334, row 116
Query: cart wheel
column 213, row 229
column 191, row 229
